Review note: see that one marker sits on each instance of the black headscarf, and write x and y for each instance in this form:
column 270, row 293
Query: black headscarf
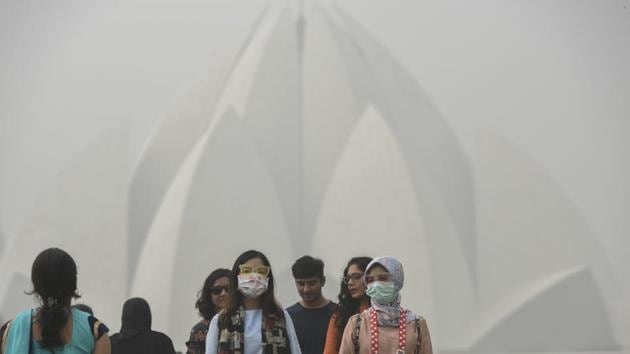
column 136, row 336
column 136, row 318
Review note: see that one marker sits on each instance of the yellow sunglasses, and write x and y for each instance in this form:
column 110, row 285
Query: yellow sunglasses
column 262, row 270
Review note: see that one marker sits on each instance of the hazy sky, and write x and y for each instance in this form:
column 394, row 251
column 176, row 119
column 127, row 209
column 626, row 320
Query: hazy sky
column 551, row 77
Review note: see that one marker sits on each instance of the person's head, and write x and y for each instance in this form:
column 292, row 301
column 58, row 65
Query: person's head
column 252, row 278
column 308, row 273
column 54, row 277
column 83, row 307
column 214, row 296
column 136, row 317
column 352, row 284
column 384, row 278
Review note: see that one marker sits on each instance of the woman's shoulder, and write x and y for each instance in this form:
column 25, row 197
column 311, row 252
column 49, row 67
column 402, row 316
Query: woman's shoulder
column 159, row 336
column 162, row 341
column 24, row 315
column 354, row 318
column 89, row 324
column 363, row 314
column 201, row 326
column 361, row 317
column 23, row 319
column 415, row 317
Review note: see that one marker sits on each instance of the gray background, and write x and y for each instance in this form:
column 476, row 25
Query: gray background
column 484, row 143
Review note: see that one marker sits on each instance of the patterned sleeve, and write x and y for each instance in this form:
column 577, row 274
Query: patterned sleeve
column 197, row 342
column 2, row 330
column 100, row 329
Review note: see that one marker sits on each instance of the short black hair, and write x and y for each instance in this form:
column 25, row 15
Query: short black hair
column 308, row 267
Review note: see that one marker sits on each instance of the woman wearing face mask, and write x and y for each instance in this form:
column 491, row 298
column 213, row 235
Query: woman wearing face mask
column 352, row 300
column 213, row 298
column 386, row 327
column 254, row 322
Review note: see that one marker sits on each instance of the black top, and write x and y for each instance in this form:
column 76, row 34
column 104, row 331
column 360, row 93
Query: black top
column 150, row 342
column 311, row 326
column 136, row 336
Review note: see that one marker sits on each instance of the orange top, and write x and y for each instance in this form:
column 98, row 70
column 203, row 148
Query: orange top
column 333, row 338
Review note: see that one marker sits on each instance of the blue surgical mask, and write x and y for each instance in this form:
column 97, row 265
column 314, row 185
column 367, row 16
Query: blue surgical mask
column 383, row 292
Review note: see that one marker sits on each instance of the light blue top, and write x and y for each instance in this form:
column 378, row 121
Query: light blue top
column 253, row 334
column 19, row 336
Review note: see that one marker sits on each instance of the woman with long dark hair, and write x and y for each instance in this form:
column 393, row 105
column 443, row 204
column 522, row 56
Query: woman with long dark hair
column 254, row 322
column 386, row 327
column 54, row 327
column 212, row 299
column 352, row 300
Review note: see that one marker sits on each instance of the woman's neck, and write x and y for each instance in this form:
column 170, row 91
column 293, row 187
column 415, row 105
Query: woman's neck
column 364, row 303
column 251, row 303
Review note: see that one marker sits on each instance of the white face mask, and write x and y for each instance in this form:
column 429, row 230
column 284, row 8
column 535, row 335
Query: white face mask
column 252, row 285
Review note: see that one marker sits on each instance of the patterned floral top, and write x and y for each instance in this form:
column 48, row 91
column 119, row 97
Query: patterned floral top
column 197, row 342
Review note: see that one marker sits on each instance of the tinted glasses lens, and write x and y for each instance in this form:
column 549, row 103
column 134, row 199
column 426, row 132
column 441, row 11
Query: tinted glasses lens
column 245, row 269
column 262, row 270
column 217, row 290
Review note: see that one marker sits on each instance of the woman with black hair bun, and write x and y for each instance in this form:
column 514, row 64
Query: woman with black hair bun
column 212, row 299
column 352, row 300
column 254, row 322
column 54, row 326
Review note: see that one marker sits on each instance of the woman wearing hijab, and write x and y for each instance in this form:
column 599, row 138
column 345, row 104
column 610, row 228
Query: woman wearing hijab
column 386, row 327
column 136, row 336
column 254, row 322
column 54, row 327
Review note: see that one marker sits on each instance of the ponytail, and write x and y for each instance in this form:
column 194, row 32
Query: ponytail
column 53, row 317
column 54, row 276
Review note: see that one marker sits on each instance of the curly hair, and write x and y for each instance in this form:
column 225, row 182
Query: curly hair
column 348, row 306
column 204, row 303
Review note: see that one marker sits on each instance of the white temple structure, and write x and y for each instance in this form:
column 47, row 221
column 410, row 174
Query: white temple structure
column 484, row 145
